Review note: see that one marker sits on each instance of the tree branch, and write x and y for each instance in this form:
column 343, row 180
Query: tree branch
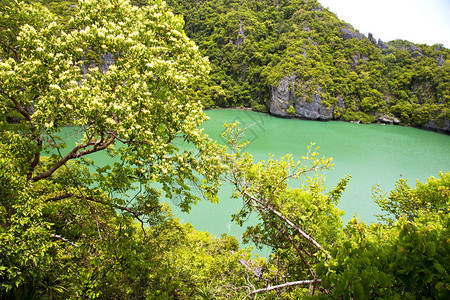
column 37, row 157
column 19, row 107
column 289, row 222
column 299, row 252
column 63, row 239
column 97, row 146
column 36, row 136
column 280, row 286
column 69, row 195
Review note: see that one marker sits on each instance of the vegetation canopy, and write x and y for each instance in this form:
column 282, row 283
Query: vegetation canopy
column 114, row 75
column 123, row 80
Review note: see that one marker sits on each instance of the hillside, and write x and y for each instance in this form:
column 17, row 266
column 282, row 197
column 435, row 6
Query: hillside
column 296, row 58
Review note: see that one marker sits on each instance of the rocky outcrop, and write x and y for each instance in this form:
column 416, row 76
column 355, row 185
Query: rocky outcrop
column 440, row 61
column 318, row 8
column 306, row 105
column 281, row 96
column 439, row 126
column 292, row 98
column 414, row 51
column 382, row 45
column 388, row 120
column 241, row 35
column 350, row 33
column 372, row 39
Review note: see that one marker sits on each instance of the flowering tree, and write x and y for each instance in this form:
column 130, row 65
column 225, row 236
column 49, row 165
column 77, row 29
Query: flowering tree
column 115, row 76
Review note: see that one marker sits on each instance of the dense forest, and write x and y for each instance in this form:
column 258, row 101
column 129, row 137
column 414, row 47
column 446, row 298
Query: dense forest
column 259, row 49
column 131, row 80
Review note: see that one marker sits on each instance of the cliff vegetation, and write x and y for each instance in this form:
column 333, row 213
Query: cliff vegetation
column 275, row 54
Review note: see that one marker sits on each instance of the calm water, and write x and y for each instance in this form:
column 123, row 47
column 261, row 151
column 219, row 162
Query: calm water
column 371, row 154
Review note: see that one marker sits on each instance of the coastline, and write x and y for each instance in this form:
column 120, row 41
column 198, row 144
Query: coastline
column 243, row 108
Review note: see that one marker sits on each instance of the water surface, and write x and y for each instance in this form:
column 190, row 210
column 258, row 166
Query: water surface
column 372, row 154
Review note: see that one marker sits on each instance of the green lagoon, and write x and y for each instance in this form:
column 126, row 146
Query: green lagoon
column 372, row 154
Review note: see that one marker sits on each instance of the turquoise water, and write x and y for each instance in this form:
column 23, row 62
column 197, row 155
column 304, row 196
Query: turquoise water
column 372, row 154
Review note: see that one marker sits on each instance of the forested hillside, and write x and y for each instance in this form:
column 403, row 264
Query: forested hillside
column 296, row 58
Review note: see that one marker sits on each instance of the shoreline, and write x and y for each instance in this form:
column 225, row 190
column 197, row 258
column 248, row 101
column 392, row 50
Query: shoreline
column 441, row 131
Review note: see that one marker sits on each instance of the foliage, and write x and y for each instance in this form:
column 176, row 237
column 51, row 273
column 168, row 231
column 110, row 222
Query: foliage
column 126, row 80
column 432, row 196
column 254, row 44
column 299, row 225
column 290, row 110
column 25, row 243
column 114, row 76
column 406, row 259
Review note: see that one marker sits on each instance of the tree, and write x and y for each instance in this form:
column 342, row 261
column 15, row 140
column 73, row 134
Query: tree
column 405, row 259
column 430, row 197
column 299, row 225
column 116, row 76
column 311, row 253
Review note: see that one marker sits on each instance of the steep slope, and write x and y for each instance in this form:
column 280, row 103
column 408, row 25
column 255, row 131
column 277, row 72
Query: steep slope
column 294, row 58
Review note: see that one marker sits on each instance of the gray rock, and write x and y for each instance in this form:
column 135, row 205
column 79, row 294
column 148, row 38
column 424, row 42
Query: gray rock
column 241, row 38
column 318, row 8
column 441, row 126
column 382, row 45
column 349, row 33
column 355, row 60
column 284, row 95
column 440, row 61
column 106, row 60
column 388, row 120
column 281, row 96
column 372, row 39
column 414, row 50
column 341, row 102
column 313, row 110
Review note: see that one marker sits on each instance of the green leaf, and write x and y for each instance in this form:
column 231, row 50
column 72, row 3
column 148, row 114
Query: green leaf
column 358, row 291
column 439, row 268
column 321, row 269
column 431, row 249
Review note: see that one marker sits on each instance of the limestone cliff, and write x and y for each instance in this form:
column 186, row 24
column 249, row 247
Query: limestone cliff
column 285, row 95
column 291, row 93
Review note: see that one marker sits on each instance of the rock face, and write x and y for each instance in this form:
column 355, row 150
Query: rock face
column 292, row 92
column 388, row 120
column 372, row 39
column 382, row 45
column 241, row 35
column 441, row 127
column 306, row 106
column 440, row 61
column 415, row 51
column 349, row 33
